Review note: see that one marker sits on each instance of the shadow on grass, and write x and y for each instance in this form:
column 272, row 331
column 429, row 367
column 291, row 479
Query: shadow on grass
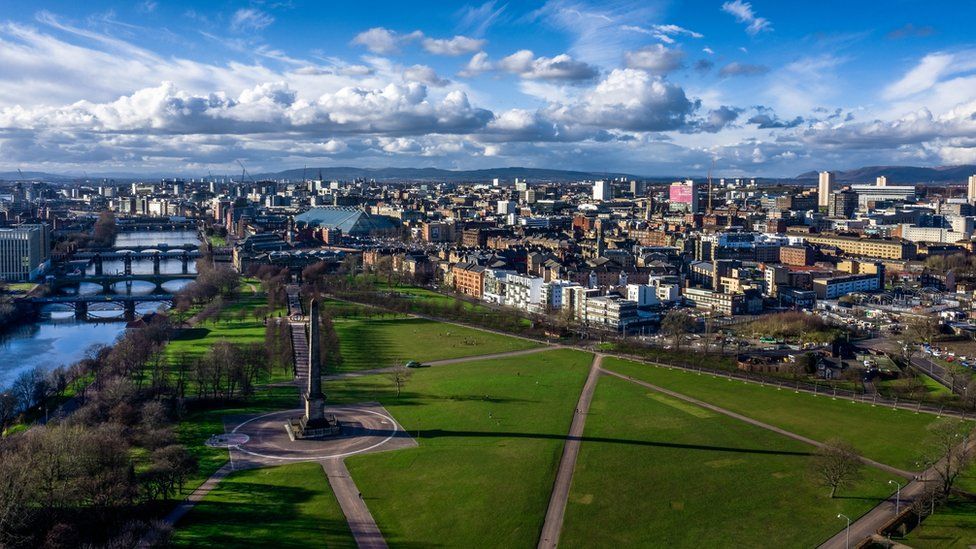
column 187, row 334
column 441, row 433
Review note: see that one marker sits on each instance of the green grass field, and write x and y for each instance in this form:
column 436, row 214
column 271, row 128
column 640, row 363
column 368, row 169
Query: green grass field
column 656, row 471
column 952, row 525
column 490, row 437
column 382, row 342
column 290, row 506
column 893, row 437
column 199, row 424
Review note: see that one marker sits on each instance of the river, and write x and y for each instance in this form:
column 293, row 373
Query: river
column 59, row 339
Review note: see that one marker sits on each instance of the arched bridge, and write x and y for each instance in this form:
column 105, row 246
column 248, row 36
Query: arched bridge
column 81, row 303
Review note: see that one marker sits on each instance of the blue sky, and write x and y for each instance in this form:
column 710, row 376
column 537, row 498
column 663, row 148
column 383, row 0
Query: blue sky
column 757, row 88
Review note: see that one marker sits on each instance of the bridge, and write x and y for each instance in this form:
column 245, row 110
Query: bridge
column 161, row 247
column 81, row 303
column 156, row 255
column 107, row 281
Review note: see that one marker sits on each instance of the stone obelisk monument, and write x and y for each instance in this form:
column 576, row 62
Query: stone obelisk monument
column 314, row 423
column 314, row 399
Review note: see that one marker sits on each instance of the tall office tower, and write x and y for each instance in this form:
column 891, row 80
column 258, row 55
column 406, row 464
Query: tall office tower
column 881, row 181
column 971, row 190
column 25, row 252
column 825, row 188
column 602, row 190
column 638, row 188
column 521, row 186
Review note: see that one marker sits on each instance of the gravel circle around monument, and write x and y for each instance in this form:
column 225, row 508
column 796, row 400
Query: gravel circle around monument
column 365, row 428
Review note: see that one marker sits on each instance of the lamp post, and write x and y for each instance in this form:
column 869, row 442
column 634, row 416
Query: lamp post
column 897, row 497
column 843, row 516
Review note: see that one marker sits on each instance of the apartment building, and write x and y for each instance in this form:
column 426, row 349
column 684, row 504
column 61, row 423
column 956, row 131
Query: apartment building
column 25, row 252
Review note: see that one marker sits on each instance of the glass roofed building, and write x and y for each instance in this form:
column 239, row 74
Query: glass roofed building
column 351, row 221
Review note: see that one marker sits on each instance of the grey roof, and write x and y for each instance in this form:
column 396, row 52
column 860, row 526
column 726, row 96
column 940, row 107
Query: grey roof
column 351, row 221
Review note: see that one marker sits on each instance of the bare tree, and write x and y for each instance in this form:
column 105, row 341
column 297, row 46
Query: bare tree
column 948, row 453
column 676, row 324
column 399, row 376
column 836, row 464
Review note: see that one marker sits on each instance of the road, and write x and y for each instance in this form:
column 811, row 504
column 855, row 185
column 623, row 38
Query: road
column 920, row 360
column 567, row 464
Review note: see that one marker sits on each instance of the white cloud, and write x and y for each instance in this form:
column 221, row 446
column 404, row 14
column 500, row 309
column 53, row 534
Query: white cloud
column 479, row 19
column 459, row 45
column 656, row 59
column 742, row 11
column 250, row 19
column 525, row 64
column 424, row 75
column 384, row 41
column 664, row 33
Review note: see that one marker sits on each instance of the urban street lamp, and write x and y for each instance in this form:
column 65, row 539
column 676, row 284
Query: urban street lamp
column 897, row 497
column 843, row 516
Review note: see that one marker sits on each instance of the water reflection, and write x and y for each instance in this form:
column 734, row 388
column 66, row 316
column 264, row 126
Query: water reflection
column 59, row 339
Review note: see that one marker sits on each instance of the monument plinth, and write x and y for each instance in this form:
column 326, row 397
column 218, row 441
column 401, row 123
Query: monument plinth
column 315, row 423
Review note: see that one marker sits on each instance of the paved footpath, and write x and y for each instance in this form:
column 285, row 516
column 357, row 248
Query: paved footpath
column 567, row 464
column 361, row 522
column 869, row 523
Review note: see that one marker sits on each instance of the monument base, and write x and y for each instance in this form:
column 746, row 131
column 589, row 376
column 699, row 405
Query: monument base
column 304, row 428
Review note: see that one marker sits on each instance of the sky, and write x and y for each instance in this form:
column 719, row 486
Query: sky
column 651, row 87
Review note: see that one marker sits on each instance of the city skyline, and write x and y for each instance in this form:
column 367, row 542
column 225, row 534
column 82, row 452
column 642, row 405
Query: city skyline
column 662, row 88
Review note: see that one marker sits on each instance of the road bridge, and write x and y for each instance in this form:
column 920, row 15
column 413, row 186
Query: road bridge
column 107, row 281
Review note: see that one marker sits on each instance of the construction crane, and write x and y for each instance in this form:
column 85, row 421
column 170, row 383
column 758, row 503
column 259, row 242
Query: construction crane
column 710, row 185
column 244, row 173
column 22, row 178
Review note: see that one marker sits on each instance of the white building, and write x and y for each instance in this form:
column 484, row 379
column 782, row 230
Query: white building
column 602, row 190
column 506, row 207
column 25, row 252
column 523, row 291
column 971, row 190
column 881, row 181
column 825, row 188
column 868, row 193
column 642, row 294
column 609, row 312
column 494, row 285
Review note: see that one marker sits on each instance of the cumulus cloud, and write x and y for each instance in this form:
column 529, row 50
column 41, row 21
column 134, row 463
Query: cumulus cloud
column 743, row 13
column 250, row 19
column 384, row 41
column 765, row 118
column 720, row 118
column 742, row 69
column 656, row 59
column 630, row 99
column 526, row 65
column 424, row 75
column 267, row 108
column 459, row 45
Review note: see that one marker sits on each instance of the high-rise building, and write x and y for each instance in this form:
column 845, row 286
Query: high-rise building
column 602, row 190
column 25, row 252
column 825, row 188
column 843, row 204
column 881, row 181
column 971, row 190
column 683, row 195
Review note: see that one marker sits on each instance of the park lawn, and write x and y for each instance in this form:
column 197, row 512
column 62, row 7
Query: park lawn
column 289, row 506
column 892, row 437
column 952, row 525
column 199, row 424
column 227, row 326
column 382, row 342
column 656, row 471
column 490, row 436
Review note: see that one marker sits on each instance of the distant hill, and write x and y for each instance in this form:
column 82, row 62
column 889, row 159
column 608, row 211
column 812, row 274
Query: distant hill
column 896, row 175
column 436, row 174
